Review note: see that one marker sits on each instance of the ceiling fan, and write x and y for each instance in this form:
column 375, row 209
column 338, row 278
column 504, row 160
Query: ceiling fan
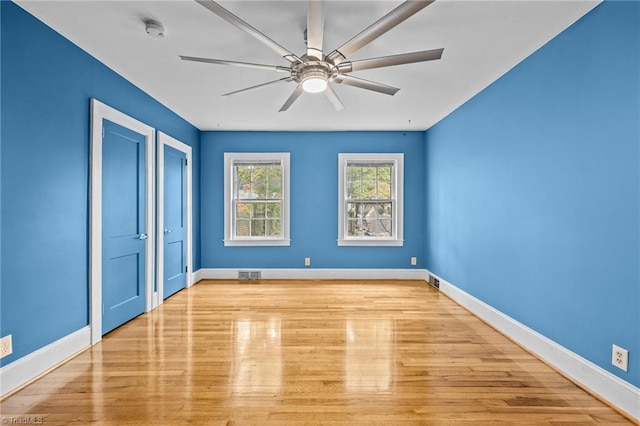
column 314, row 71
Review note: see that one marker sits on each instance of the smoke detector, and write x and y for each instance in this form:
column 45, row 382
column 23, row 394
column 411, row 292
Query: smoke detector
column 154, row 28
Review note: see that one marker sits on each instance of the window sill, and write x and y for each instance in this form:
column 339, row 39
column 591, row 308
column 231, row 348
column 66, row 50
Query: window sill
column 257, row 243
column 371, row 243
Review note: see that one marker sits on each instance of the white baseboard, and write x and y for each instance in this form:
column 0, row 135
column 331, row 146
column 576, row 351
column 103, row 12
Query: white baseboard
column 198, row 275
column 597, row 380
column 313, row 274
column 23, row 370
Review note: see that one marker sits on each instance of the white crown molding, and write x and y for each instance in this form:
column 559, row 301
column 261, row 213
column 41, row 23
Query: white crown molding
column 596, row 380
column 22, row 371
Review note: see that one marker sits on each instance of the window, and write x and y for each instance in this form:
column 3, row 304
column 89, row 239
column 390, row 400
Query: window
column 370, row 200
column 256, row 190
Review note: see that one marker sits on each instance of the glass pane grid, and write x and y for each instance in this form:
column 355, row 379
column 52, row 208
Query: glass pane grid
column 367, row 219
column 369, row 203
column 257, row 182
column 368, row 182
column 258, row 199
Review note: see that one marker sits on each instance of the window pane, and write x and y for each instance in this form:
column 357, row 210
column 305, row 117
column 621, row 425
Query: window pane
column 384, row 182
column 242, row 183
column 353, row 210
column 356, row 222
column 243, row 210
column 275, row 183
column 256, row 181
column 379, row 228
column 354, row 228
column 257, row 228
column 380, row 220
column 384, row 190
column 257, row 210
column 273, row 210
column 258, row 173
column 368, row 182
column 369, row 219
column 259, row 188
column 274, row 190
column 242, row 228
column 368, row 185
column 275, row 173
column 353, row 182
column 273, row 228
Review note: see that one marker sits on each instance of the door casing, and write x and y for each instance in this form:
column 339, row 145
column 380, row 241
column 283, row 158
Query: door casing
column 99, row 112
column 164, row 139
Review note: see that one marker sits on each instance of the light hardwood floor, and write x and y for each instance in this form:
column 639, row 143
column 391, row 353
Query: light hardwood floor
column 307, row 352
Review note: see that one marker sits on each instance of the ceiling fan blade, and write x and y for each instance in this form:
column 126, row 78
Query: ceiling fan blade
column 333, row 98
column 236, row 63
column 295, row 95
column 365, row 84
column 315, row 28
column 258, row 86
column 375, row 30
column 234, row 20
column 387, row 61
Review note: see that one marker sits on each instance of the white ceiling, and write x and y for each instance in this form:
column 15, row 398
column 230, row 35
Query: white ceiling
column 482, row 41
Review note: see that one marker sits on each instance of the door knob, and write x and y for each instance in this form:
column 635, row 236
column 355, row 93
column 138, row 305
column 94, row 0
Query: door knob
column 142, row 236
column 167, row 230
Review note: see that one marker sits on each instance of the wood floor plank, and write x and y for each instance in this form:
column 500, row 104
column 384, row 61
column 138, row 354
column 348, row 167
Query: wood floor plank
column 307, row 352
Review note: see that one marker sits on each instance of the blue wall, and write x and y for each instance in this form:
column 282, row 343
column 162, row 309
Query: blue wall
column 47, row 83
column 0, row 171
column 314, row 199
column 527, row 197
column 533, row 190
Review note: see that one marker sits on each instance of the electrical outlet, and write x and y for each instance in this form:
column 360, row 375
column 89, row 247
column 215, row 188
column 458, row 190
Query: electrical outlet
column 620, row 357
column 414, row 261
column 307, row 261
column 6, row 347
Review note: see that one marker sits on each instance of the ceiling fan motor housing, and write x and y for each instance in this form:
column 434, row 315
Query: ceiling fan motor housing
column 313, row 75
column 312, row 69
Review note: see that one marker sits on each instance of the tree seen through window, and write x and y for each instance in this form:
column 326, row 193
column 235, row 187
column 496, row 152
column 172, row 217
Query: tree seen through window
column 258, row 199
column 369, row 203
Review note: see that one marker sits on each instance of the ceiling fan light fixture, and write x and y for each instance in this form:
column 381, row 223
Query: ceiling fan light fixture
column 313, row 71
column 314, row 84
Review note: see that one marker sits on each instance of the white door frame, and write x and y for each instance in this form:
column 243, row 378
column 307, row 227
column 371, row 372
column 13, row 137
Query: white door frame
column 99, row 112
column 164, row 139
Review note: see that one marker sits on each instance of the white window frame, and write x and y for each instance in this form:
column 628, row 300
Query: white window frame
column 397, row 195
column 229, row 223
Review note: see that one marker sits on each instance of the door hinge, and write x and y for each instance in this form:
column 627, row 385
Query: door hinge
column 186, row 268
column 103, row 133
column 185, row 162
